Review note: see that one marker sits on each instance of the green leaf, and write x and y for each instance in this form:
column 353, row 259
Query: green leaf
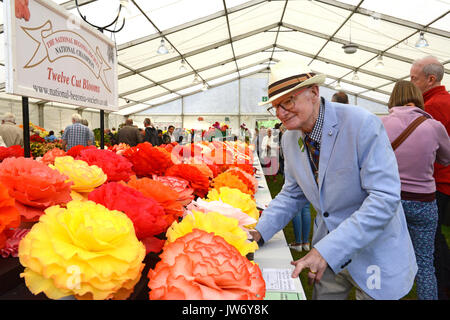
column 301, row 144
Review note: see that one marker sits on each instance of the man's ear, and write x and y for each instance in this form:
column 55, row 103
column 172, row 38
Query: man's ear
column 315, row 91
column 431, row 80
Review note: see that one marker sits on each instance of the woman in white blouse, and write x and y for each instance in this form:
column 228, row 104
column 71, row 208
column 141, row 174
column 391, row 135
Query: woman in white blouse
column 269, row 155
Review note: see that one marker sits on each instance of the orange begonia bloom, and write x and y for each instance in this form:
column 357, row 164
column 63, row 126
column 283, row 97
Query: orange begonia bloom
column 163, row 194
column 228, row 179
column 34, row 186
column 9, row 215
column 203, row 266
column 249, row 180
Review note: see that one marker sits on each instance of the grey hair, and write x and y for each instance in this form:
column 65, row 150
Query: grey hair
column 434, row 68
column 9, row 117
column 84, row 122
column 76, row 117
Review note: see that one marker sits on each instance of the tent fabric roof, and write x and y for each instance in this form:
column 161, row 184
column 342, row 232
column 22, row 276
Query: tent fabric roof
column 224, row 40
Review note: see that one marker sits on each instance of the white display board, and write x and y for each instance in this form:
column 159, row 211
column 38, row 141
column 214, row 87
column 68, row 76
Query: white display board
column 53, row 55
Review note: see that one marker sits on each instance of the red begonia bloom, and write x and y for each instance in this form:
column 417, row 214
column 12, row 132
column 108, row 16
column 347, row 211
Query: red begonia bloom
column 13, row 151
column 147, row 214
column 148, row 160
column 116, row 167
column 74, row 152
column 203, row 266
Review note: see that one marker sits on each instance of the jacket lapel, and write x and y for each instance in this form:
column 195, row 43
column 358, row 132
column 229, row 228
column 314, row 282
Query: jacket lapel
column 306, row 176
column 329, row 133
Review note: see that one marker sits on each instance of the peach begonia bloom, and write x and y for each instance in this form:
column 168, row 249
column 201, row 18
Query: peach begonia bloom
column 86, row 251
column 85, row 178
column 226, row 227
column 50, row 156
column 203, row 266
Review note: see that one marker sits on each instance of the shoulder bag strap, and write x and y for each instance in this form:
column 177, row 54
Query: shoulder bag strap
column 402, row 137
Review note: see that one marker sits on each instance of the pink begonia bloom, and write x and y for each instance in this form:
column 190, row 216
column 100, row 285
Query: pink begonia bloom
column 222, row 208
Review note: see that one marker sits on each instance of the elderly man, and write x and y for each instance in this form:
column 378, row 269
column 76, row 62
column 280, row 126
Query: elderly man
column 427, row 74
column 339, row 159
column 76, row 134
column 11, row 134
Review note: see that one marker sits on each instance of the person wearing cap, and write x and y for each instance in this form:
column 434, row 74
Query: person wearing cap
column 339, row 158
column 10, row 132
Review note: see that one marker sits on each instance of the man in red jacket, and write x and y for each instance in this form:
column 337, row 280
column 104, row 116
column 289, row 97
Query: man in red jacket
column 427, row 74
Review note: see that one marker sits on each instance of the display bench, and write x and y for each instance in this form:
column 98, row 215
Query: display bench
column 274, row 257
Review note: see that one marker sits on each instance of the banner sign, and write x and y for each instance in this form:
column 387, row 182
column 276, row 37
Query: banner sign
column 52, row 55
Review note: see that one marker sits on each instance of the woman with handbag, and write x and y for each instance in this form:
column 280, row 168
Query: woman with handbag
column 418, row 141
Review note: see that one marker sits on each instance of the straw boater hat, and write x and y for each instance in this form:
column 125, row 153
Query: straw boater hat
column 289, row 75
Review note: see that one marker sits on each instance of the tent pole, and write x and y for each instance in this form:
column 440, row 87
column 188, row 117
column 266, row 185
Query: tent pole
column 26, row 127
column 239, row 104
column 182, row 112
column 102, row 129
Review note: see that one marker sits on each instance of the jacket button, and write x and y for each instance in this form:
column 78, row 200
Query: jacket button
column 326, row 214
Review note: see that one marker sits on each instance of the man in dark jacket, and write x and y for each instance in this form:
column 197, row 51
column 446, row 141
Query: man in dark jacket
column 129, row 134
column 151, row 135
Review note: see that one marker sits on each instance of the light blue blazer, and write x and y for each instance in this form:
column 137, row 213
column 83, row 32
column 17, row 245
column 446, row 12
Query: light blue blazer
column 360, row 223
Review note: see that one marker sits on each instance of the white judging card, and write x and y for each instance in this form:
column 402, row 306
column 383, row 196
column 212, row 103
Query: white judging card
column 279, row 280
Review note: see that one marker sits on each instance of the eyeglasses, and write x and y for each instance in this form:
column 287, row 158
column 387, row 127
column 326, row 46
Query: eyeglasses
column 287, row 105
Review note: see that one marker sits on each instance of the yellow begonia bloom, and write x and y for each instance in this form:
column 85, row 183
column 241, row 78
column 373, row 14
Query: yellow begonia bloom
column 79, row 196
column 225, row 227
column 85, row 177
column 86, row 251
column 237, row 199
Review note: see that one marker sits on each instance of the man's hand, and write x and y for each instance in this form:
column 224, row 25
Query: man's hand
column 314, row 262
column 255, row 234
